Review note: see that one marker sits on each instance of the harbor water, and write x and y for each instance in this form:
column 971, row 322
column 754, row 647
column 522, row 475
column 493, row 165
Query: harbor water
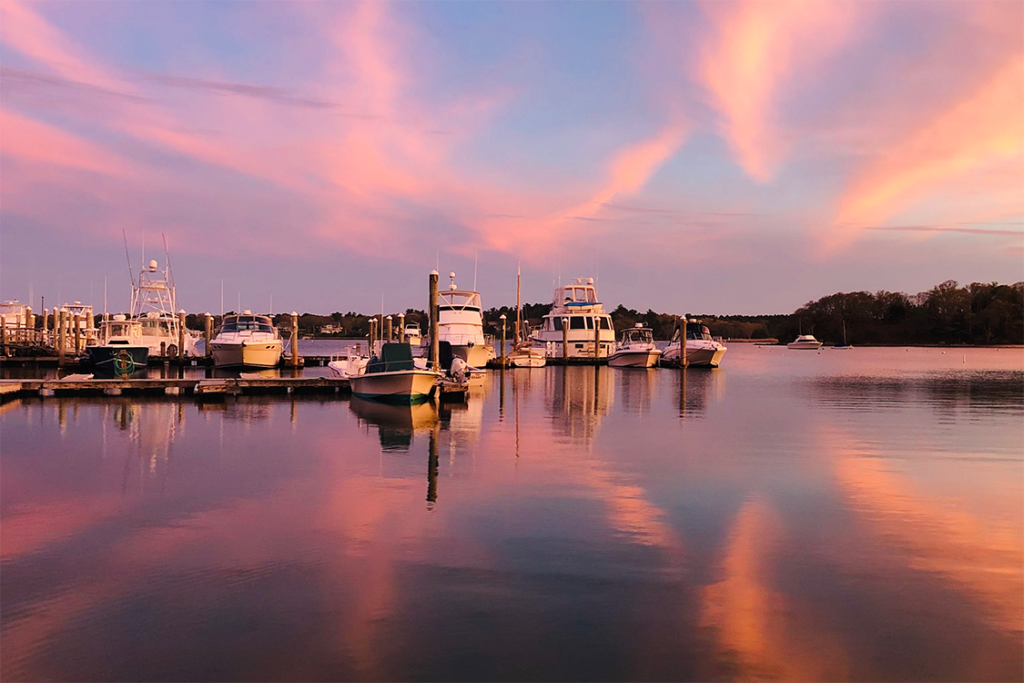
column 794, row 515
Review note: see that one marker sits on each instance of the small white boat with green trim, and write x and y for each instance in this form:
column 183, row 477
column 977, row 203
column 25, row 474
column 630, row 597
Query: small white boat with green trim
column 394, row 377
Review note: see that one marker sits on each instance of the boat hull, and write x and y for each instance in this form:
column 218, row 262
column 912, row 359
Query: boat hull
column 531, row 359
column 806, row 346
column 400, row 386
column 248, row 355
column 702, row 357
column 117, row 361
column 476, row 356
column 645, row 358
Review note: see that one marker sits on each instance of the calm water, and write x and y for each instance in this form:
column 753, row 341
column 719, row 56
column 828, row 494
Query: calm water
column 836, row 515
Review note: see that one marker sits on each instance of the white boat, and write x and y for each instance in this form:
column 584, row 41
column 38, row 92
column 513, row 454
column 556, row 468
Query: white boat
column 120, row 351
column 804, row 341
column 154, row 302
column 352, row 362
column 412, row 334
column 526, row 355
column 460, row 322
column 88, row 333
column 636, row 349
column 394, row 377
column 247, row 340
column 702, row 351
column 577, row 305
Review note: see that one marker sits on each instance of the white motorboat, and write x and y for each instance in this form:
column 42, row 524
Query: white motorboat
column 576, row 306
column 154, row 301
column 394, row 377
column 702, row 351
column 460, row 322
column 804, row 341
column 353, row 362
column 526, row 355
column 247, row 340
column 120, row 351
column 636, row 349
column 412, row 334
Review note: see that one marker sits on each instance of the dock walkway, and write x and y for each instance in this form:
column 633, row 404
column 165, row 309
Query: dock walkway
column 172, row 387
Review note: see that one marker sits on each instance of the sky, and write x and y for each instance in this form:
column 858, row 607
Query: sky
column 722, row 157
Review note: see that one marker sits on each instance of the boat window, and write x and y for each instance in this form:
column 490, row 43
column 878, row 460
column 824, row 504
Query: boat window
column 576, row 323
column 590, row 323
column 606, row 323
column 458, row 308
column 557, row 324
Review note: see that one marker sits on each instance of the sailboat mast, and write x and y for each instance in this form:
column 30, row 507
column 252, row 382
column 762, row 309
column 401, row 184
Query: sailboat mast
column 519, row 271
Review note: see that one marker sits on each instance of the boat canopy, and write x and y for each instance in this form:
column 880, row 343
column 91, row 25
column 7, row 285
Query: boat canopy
column 459, row 300
column 393, row 357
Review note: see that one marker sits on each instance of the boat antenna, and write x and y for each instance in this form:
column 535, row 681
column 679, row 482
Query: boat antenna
column 170, row 274
column 222, row 299
column 105, row 311
column 476, row 261
column 518, row 273
column 128, row 258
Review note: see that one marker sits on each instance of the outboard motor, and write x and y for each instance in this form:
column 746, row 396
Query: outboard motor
column 458, row 369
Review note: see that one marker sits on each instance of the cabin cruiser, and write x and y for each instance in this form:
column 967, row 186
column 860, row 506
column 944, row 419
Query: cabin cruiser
column 247, row 340
column 120, row 351
column 460, row 322
column 154, row 301
column 576, row 304
column 804, row 341
column 636, row 349
column 394, row 376
column 412, row 334
column 702, row 351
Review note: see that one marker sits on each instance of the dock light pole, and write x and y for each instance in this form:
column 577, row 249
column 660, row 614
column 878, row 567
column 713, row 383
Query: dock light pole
column 295, row 339
column 401, row 328
column 390, row 329
column 504, row 356
column 435, row 341
column 208, row 336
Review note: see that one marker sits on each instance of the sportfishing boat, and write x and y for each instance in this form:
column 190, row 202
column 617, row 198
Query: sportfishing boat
column 576, row 307
column 120, row 351
column 247, row 340
column 804, row 341
column 154, row 301
column 702, row 351
column 636, row 349
column 460, row 322
column 394, row 377
column 524, row 354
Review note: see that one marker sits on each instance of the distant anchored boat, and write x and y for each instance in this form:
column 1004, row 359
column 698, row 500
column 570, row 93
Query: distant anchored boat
column 804, row 341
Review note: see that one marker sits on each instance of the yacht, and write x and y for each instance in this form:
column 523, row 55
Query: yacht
column 154, row 301
column 120, row 351
column 636, row 349
column 702, row 351
column 394, row 377
column 577, row 305
column 804, row 341
column 412, row 334
column 247, row 340
column 460, row 322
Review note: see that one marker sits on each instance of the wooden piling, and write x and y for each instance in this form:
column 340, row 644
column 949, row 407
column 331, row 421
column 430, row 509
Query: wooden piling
column 435, row 342
column 295, row 339
column 683, row 361
column 46, row 323
column 504, row 356
column 390, row 330
column 78, row 333
column 373, row 336
column 597, row 338
column 401, row 328
column 565, row 340
column 59, row 320
column 181, row 336
column 208, row 337
column 3, row 337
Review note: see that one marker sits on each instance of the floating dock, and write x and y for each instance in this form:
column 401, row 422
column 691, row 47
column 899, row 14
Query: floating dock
column 198, row 387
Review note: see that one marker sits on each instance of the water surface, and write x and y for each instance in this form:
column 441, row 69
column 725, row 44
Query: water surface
column 833, row 515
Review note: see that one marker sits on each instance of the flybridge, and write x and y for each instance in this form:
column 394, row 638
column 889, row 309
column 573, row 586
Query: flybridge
column 579, row 293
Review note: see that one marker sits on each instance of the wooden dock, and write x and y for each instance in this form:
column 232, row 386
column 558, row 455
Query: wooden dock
column 198, row 387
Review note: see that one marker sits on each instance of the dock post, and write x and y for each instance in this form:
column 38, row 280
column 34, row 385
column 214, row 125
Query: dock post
column 373, row 336
column 30, row 324
column 435, row 345
column 295, row 339
column 504, row 356
column 181, row 337
column 597, row 339
column 390, row 329
column 46, row 324
column 60, row 340
column 565, row 340
column 78, row 333
column 682, row 345
column 401, row 328
column 208, row 336
column 3, row 336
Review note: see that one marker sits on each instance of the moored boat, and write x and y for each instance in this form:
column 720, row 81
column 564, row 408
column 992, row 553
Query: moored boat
column 120, row 352
column 636, row 349
column 804, row 341
column 393, row 377
column 576, row 306
column 460, row 322
column 247, row 340
column 154, row 300
column 702, row 351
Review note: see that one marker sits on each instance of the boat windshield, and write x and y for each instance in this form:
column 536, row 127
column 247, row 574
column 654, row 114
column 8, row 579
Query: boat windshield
column 118, row 329
column 156, row 326
column 638, row 336
column 253, row 323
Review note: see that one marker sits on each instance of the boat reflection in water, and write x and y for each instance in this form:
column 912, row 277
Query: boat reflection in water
column 395, row 423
